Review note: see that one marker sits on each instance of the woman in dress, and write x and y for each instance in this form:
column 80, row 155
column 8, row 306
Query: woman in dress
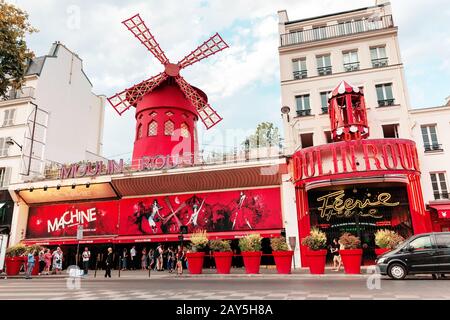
column 144, row 259
column 57, row 260
column 48, row 261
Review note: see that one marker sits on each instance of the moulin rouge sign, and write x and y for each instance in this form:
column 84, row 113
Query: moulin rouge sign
column 394, row 155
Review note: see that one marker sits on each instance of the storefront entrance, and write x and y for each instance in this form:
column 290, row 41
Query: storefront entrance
column 360, row 210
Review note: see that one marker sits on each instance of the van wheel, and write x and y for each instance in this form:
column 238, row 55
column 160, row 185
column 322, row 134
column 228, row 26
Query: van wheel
column 397, row 271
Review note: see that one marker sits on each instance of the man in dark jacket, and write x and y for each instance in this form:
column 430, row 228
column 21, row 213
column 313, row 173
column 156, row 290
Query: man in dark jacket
column 109, row 263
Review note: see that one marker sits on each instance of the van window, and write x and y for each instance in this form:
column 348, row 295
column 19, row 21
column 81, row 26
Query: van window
column 443, row 241
column 421, row 243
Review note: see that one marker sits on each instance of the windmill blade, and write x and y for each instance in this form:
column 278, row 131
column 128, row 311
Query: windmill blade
column 122, row 101
column 137, row 26
column 207, row 114
column 209, row 47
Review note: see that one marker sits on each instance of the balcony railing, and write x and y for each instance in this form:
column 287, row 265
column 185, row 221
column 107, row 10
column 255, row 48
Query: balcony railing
column 303, row 113
column 336, row 30
column 353, row 66
column 324, row 110
column 386, row 102
column 443, row 195
column 381, row 62
column 433, row 147
column 25, row 92
column 301, row 74
column 323, row 71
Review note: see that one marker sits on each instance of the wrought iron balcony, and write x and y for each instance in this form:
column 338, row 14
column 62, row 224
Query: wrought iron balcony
column 353, row 66
column 324, row 110
column 303, row 113
column 433, row 147
column 301, row 74
column 378, row 63
column 386, row 102
column 324, row 71
column 443, row 195
column 336, row 30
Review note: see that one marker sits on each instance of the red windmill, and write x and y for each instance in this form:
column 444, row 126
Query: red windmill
column 167, row 107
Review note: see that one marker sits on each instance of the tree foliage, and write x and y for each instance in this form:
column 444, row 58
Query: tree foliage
column 14, row 53
column 266, row 135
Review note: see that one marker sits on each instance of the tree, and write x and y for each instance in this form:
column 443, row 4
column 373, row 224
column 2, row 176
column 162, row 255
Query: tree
column 266, row 135
column 14, row 54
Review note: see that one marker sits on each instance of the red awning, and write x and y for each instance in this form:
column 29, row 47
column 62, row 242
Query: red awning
column 443, row 210
column 66, row 241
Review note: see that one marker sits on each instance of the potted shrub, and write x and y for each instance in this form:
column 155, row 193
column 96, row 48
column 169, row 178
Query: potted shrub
column 30, row 249
column 281, row 254
column 386, row 240
column 351, row 253
column 316, row 254
column 250, row 246
column 223, row 256
column 196, row 254
column 14, row 259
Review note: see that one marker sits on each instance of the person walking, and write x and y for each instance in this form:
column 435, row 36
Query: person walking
column 170, row 259
column 30, row 264
column 57, row 260
column 41, row 260
column 124, row 259
column 160, row 258
column 86, row 256
column 180, row 257
column 109, row 263
column 48, row 261
column 144, row 259
column 151, row 259
column 133, row 262
column 334, row 249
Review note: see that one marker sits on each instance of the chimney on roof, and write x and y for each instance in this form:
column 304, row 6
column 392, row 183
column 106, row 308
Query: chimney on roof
column 447, row 101
column 282, row 16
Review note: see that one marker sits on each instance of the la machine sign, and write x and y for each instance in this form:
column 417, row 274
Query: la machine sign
column 71, row 218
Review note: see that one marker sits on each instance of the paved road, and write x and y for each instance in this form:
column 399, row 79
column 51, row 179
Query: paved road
column 238, row 288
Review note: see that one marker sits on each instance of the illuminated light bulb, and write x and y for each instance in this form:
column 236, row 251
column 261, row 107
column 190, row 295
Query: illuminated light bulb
column 353, row 129
column 339, row 131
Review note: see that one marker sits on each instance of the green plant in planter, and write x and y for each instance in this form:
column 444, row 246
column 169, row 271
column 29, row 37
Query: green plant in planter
column 29, row 249
column 251, row 242
column 317, row 240
column 349, row 241
column 199, row 241
column 16, row 251
column 279, row 244
column 388, row 239
column 220, row 245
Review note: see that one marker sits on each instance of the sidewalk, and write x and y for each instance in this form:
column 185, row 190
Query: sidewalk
column 265, row 273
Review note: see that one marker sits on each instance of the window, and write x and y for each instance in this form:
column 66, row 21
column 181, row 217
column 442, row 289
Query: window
column 443, row 241
column 4, row 147
column 390, row 130
column 351, row 62
column 421, row 243
column 430, row 140
column 169, row 127
column 184, row 130
column 306, row 139
column 8, row 119
column 5, row 174
column 139, row 131
column 324, row 65
column 324, row 101
column 439, row 185
column 378, row 56
column 303, row 106
column 152, row 128
column 299, row 68
column 319, row 32
column 384, row 94
column 328, row 137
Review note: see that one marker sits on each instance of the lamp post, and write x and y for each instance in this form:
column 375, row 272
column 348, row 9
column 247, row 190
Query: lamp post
column 10, row 141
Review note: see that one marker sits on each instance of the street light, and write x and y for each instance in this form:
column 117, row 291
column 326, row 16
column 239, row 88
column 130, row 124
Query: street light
column 10, row 141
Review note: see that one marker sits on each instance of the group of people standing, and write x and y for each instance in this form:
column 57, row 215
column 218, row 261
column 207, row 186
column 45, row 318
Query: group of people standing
column 48, row 261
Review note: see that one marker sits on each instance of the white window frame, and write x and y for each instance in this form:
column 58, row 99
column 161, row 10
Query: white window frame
column 431, row 143
column 8, row 120
column 302, row 98
column 4, row 147
column 377, row 50
column 383, row 87
column 439, row 182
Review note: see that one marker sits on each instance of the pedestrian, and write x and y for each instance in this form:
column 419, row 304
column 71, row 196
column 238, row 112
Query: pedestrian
column 109, row 263
column 133, row 258
column 144, row 259
column 124, row 259
column 180, row 257
column 48, row 261
column 160, row 258
column 41, row 260
column 57, row 260
column 170, row 259
column 151, row 259
column 334, row 249
column 30, row 264
column 86, row 256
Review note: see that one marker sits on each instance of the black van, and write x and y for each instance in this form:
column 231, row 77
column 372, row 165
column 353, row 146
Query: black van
column 421, row 253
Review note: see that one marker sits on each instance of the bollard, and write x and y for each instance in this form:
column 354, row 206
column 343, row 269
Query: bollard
column 120, row 265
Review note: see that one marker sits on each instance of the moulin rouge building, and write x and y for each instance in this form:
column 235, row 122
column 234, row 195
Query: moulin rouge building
column 355, row 184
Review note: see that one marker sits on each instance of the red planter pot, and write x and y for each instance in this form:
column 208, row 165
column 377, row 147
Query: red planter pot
column 283, row 261
column 252, row 261
column 13, row 265
column 351, row 258
column 316, row 261
column 195, row 262
column 380, row 251
column 223, row 261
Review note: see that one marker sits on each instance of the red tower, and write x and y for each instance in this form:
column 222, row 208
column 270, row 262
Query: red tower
column 348, row 115
column 167, row 107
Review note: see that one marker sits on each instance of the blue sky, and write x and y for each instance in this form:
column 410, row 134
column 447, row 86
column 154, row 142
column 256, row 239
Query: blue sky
column 242, row 82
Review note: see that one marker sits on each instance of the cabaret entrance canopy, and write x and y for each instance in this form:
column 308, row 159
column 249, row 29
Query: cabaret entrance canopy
column 167, row 106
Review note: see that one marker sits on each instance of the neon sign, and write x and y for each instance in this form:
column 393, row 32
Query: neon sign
column 334, row 204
